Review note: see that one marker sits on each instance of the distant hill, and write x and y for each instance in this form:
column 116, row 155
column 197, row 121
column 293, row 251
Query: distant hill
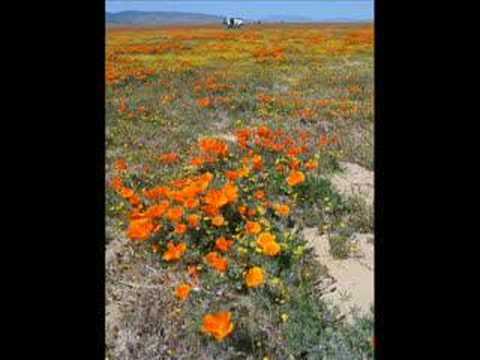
column 159, row 18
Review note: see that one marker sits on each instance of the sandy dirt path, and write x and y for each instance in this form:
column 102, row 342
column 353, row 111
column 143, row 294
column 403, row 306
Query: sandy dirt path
column 352, row 279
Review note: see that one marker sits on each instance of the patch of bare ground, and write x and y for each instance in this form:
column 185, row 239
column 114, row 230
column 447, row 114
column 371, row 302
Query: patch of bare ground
column 136, row 299
column 350, row 283
column 354, row 180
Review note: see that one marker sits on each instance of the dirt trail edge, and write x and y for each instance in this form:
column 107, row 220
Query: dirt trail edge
column 352, row 284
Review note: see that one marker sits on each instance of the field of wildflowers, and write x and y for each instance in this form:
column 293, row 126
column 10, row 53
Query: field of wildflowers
column 218, row 146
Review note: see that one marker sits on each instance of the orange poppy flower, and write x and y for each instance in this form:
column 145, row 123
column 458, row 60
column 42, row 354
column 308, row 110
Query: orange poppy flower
column 140, row 229
column 216, row 198
column 214, row 146
column 134, row 200
column 191, row 190
column 231, row 192
column 195, row 188
column 271, row 248
column 242, row 209
column 174, row 214
column 137, row 214
column 264, row 238
column 156, row 193
column 197, row 161
column 175, row 196
column 223, row 244
column 174, row 252
column 169, row 158
column 218, row 220
column 295, row 164
column 264, row 132
column 116, row 183
column 158, row 210
column 243, row 134
column 121, row 165
column 246, row 160
column 192, row 203
column 204, row 102
column 257, row 162
column 263, row 98
column 211, row 210
column 268, row 244
column 205, row 179
column 232, row 175
column 277, row 147
column 178, row 183
column 126, row 193
column 255, row 277
column 251, row 212
column 183, row 291
column 180, row 229
column 260, row 195
column 253, row 227
column 216, row 261
column 218, row 325
column 123, row 106
column 323, row 140
column 282, row 209
column 244, row 172
column 311, row 164
column 194, row 221
column 323, row 102
column 295, row 178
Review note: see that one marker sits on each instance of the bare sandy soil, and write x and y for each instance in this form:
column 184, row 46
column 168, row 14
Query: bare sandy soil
column 352, row 279
column 355, row 180
column 351, row 284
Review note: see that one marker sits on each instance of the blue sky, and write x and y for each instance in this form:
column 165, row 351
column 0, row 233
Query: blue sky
column 320, row 10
